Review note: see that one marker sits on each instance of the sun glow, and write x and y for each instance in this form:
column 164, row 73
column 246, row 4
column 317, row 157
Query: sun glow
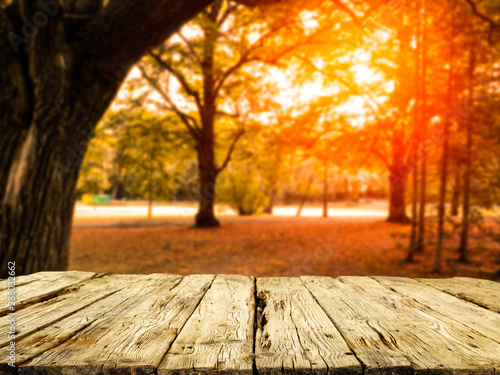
column 292, row 88
column 364, row 74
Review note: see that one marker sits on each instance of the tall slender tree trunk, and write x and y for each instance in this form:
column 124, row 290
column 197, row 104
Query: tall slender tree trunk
column 304, row 197
column 399, row 171
column 397, row 198
column 416, row 136
column 419, row 248
column 325, row 189
column 414, row 217
column 150, row 197
column 457, row 186
column 443, row 179
column 464, row 236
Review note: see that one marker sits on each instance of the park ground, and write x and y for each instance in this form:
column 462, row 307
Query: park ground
column 348, row 243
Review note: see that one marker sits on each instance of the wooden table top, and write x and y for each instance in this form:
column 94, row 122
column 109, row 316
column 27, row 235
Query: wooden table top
column 81, row 322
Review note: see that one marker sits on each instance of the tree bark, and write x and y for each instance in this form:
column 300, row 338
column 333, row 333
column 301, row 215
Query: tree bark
column 443, row 179
column 399, row 170
column 397, row 198
column 150, row 195
column 419, row 246
column 205, row 218
column 63, row 76
column 455, row 199
column 416, row 137
column 464, row 236
column 325, row 190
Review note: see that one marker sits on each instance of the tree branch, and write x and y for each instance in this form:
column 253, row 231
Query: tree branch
column 350, row 12
column 374, row 105
column 491, row 22
column 190, row 47
column 125, row 30
column 230, row 151
column 381, row 156
column 245, row 58
column 182, row 80
column 230, row 9
column 188, row 120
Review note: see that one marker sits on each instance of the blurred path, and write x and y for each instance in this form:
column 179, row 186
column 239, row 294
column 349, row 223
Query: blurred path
column 134, row 214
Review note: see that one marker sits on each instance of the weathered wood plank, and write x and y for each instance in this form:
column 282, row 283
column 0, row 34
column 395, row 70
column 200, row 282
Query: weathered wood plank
column 43, row 314
column 122, row 324
column 43, row 341
column 429, row 342
column 352, row 315
column 482, row 292
column 134, row 343
column 447, row 306
column 294, row 334
column 135, row 290
column 218, row 337
column 26, row 279
column 43, row 286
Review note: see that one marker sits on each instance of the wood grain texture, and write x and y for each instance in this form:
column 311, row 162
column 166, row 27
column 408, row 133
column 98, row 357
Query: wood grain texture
column 219, row 336
column 26, row 279
column 43, row 286
column 447, row 306
column 40, row 315
column 352, row 316
column 134, row 290
column 174, row 325
column 294, row 334
column 481, row 292
column 431, row 343
column 132, row 343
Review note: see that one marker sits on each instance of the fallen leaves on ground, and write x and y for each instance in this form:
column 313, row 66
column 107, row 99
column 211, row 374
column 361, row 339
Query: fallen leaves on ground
column 272, row 249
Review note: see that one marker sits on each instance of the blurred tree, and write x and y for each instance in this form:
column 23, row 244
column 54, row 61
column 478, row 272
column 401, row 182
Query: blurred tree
column 244, row 189
column 207, row 60
column 148, row 159
column 95, row 170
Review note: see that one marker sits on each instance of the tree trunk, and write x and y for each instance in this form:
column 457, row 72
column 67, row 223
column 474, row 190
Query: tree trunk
column 464, row 236
column 397, row 198
column 37, row 210
column 304, row 197
column 325, row 191
column 150, row 198
column 416, row 137
column 455, row 199
column 443, row 179
column 419, row 246
column 37, row 207
column 63, row 76
column 205, row 218
column 272, row 199
column 414, row 213
column 118, row 189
